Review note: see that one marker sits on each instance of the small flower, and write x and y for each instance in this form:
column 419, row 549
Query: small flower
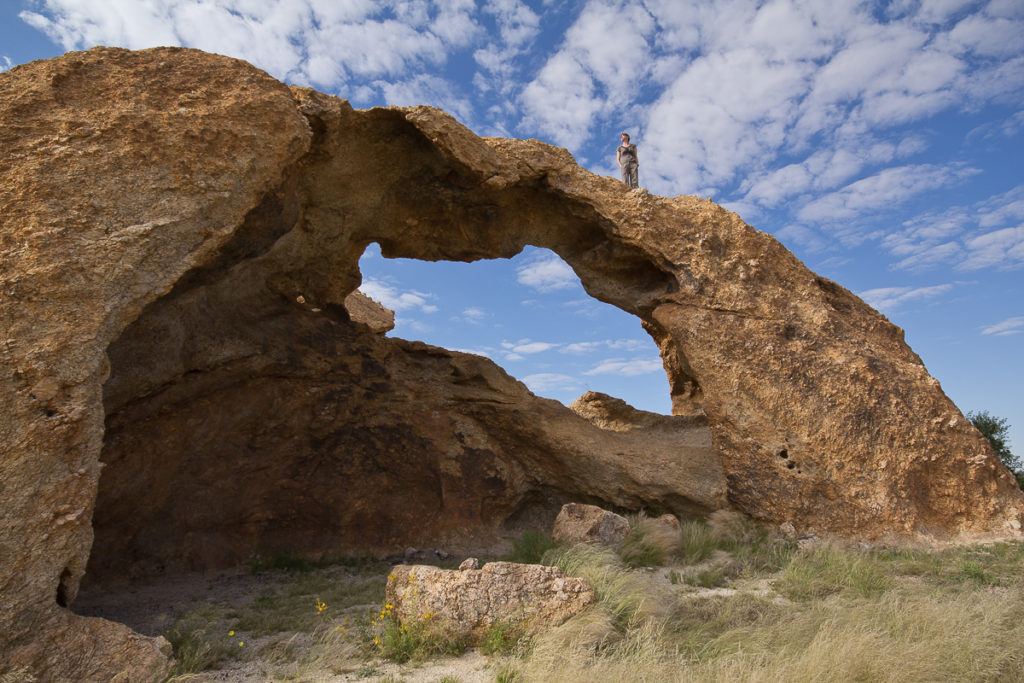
column 231, row 633
column 241, row 643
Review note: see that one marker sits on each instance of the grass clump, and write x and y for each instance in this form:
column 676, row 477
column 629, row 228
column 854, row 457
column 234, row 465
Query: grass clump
column 501, row 638
column 415, row 641
column 650, row 542
column 201, row 640
column 826, row 570
column 530, row 547
column 619, row 590
column 295, row 606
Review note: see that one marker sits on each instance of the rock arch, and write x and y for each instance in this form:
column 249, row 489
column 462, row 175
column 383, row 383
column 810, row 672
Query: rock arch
column 163, row 212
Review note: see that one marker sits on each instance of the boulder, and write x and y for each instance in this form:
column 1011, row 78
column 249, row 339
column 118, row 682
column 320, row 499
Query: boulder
column 578, row 523
column 465, row 603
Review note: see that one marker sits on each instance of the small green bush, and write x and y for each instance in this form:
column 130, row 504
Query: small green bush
column 501, row 638
column 530, row 547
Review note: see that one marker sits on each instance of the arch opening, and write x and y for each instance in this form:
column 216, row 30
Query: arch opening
column 529, row 314
column 241, row 421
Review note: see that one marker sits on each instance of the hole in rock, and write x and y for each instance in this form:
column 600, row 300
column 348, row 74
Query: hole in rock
column 62, row 587
column 530, row 315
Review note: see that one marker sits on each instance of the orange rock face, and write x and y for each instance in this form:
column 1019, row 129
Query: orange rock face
column 179, row 235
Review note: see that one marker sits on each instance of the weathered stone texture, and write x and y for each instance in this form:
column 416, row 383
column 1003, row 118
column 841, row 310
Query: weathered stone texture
column 578, row 523
column 465, row 603
column 121, row 172
column 179, row 240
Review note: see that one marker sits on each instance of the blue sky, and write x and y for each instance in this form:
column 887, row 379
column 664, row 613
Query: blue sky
column 880, row 142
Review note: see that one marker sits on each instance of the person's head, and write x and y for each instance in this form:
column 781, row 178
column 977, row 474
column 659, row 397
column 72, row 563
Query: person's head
column 625, row 138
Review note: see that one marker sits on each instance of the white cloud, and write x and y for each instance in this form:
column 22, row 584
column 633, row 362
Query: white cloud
column 528, row 347
column 598, row 69
column 886, row 188
column 963, row 237
column 616, row 344
column 477, row 314
column 1003, row 248
column 626, row 368
column 582, row 347
column 518, row 26
column 5, row 63
column 1006, row 327
column 889, row 298
column 545, row 382
column 391, row 297
column 322, row 42
column 546, row 273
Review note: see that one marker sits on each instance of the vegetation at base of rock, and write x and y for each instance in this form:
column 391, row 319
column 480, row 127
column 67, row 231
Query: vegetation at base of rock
column 826, row 571
column 997, row 431
column 501, row 638
column 777, row 612
column 649, row 542
column 530, row 547
column 415, row 642
column 508, row 674
column 200, row 640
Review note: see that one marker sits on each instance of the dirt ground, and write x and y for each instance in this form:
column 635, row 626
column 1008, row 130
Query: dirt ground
column 155, row 606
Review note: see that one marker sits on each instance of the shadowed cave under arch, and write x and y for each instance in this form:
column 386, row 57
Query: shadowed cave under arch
column 241, row 422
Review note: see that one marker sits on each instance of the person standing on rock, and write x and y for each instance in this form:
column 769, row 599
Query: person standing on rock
column 628, row 162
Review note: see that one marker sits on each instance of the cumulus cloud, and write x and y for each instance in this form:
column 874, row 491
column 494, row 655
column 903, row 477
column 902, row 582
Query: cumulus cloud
column 1006, row 327
column 626, row 367
column 883, row 189
column 322, row 42
column 528, row 347
column 551, row 382
column 395, row 299
column 1003, row 248
column 546, row 273
column 964, row 236
column 598, row 69
column 890, row 298
column 618, row 344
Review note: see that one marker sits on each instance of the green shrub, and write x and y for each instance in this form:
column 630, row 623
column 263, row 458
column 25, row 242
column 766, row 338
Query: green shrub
column 501, row 638
column 996, row 430
column 530, row 547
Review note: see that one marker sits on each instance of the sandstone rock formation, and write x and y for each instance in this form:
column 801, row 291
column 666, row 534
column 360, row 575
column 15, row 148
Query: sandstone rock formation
column 179, row 239
column 578, row 523
column 466, row 603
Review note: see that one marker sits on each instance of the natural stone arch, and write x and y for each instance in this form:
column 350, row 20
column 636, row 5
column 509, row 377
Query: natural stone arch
column 172, row 176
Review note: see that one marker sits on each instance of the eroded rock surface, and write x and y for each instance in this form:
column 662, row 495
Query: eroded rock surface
column 578, row 523
column 179, row 239
column 465, row 603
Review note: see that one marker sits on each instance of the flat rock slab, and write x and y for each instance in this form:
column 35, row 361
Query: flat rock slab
column 466, row 603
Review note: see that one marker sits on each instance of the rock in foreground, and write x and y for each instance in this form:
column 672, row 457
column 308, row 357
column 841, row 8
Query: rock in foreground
column 579, row 523
column 466, row 603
